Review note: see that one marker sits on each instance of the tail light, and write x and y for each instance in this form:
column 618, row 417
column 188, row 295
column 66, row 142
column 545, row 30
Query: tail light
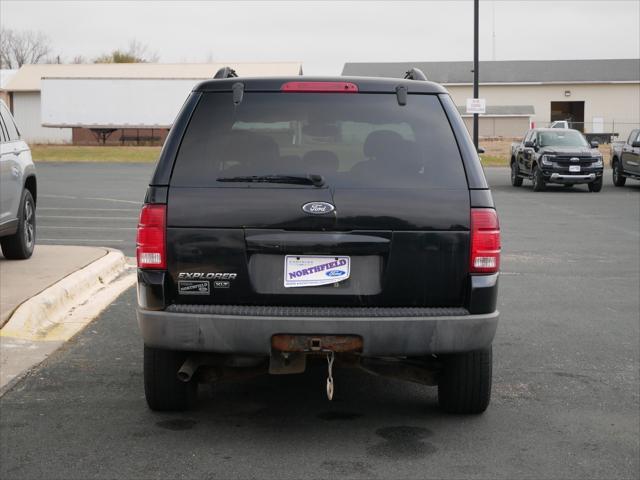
column 485, row 241
column 319, row 87
column 151, row 238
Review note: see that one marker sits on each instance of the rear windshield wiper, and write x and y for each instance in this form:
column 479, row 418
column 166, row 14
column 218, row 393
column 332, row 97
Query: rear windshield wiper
column 311, row 179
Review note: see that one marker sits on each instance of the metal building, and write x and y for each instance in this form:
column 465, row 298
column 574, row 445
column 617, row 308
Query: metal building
column 596, row 96
column 24, row 87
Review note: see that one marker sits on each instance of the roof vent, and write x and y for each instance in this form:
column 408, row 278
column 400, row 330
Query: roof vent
column 226, row 72
column 415, row 74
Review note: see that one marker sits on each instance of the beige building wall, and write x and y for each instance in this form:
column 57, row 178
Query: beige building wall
column 617, row 103
column 498, row 126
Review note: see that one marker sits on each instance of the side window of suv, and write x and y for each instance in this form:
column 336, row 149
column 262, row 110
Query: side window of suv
column 3, row 132
column 635, row 135
column 530, row 136
column 11, row 129
column 535, row 138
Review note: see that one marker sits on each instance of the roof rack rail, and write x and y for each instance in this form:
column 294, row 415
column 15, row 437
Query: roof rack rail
column 415, row 74
column 226, row 72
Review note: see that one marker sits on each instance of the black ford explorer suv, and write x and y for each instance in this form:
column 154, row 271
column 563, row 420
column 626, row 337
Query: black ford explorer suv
column 344, row 219
column 556, row 155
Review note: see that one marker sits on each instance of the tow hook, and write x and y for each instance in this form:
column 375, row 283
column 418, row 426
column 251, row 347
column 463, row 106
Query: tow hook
column 330, row 359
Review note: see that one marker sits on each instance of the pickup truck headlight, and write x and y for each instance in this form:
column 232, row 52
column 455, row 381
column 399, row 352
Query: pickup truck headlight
column 547, row 160
column 597, row 162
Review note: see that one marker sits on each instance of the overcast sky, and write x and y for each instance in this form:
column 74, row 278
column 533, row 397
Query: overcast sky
column 324, row 35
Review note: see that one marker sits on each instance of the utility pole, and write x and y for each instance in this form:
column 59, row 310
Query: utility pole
column 493, row 30
column 476, row 8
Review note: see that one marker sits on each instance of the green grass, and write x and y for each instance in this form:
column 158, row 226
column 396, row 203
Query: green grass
column 493, row 161
column 97, row 154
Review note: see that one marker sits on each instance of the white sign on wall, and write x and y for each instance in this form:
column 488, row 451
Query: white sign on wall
column 598, row 125
column 476, row 105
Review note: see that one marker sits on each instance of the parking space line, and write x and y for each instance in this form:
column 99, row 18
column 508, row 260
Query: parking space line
column 113, row 200
column 90, row 209
column 57, row 196
column 78, row 240
column 65, row 227
column 87, row 218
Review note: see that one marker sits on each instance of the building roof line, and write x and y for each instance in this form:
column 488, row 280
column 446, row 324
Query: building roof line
column 28, row 77
column 508, row 71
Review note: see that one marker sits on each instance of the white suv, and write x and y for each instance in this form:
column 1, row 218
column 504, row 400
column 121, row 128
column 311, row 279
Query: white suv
column 18, row 191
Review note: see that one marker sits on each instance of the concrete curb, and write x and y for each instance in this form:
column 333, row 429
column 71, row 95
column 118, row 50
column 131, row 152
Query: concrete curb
column 42, row 313
column 42, row 324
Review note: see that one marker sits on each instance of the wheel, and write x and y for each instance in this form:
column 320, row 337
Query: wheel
column 596, row 185
column 162, row 389
column 538, row 180
column 465, row 382
column 20, row 245
column 516, row 180
column 618, row 179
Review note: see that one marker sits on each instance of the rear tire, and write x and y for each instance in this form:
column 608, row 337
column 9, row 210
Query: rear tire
column 162, row 389
column 516, row 180
column 596, row 185
column 465, row 382
column 538, row 180
column 20, row 245
column 618, row 179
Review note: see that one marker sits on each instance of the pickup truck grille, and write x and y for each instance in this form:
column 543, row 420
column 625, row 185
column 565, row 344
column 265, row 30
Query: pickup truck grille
column 326, row 312
column 566, row 161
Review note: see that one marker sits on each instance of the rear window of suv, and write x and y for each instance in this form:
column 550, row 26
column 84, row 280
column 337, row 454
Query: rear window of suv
column 352, row 140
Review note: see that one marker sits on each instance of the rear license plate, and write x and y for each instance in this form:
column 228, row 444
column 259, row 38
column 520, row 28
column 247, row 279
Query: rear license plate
column 310, row 271
column 574, row 168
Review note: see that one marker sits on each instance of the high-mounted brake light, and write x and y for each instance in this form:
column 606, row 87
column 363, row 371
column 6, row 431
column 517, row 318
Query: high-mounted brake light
column 320, row 87
column 151, row 238
column 485, row 241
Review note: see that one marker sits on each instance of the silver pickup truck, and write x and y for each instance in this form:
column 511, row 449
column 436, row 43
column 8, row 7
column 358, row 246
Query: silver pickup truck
column 18, row 191
column 625, row 159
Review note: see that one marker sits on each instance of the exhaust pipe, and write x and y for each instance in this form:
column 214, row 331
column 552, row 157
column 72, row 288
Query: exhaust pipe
column 188, row 368
column 213, row 368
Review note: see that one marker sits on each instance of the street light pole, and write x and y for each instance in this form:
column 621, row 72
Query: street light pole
column 476, row 8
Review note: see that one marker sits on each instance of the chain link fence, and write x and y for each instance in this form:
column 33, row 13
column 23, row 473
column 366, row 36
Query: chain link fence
column 603, row 132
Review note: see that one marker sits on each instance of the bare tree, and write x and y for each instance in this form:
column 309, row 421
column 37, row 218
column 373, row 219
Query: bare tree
column 139, row 50
column 20, row 47
column 136, row 53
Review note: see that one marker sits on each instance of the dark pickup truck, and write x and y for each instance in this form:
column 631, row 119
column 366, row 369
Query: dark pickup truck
column 322, row 219
column 553, row 155
column 625, row 159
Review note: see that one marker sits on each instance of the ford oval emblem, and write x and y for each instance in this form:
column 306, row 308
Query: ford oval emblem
column 318, row 208
column 574, row 159
column 335, row 273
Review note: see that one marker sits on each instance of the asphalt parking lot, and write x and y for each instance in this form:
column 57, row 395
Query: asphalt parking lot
column 91, row 204
column 566, row 395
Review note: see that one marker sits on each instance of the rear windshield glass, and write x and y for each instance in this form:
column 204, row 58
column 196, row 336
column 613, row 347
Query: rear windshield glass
column 351, row 140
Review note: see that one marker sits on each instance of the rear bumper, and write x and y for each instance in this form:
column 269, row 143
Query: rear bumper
column 382, row 336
